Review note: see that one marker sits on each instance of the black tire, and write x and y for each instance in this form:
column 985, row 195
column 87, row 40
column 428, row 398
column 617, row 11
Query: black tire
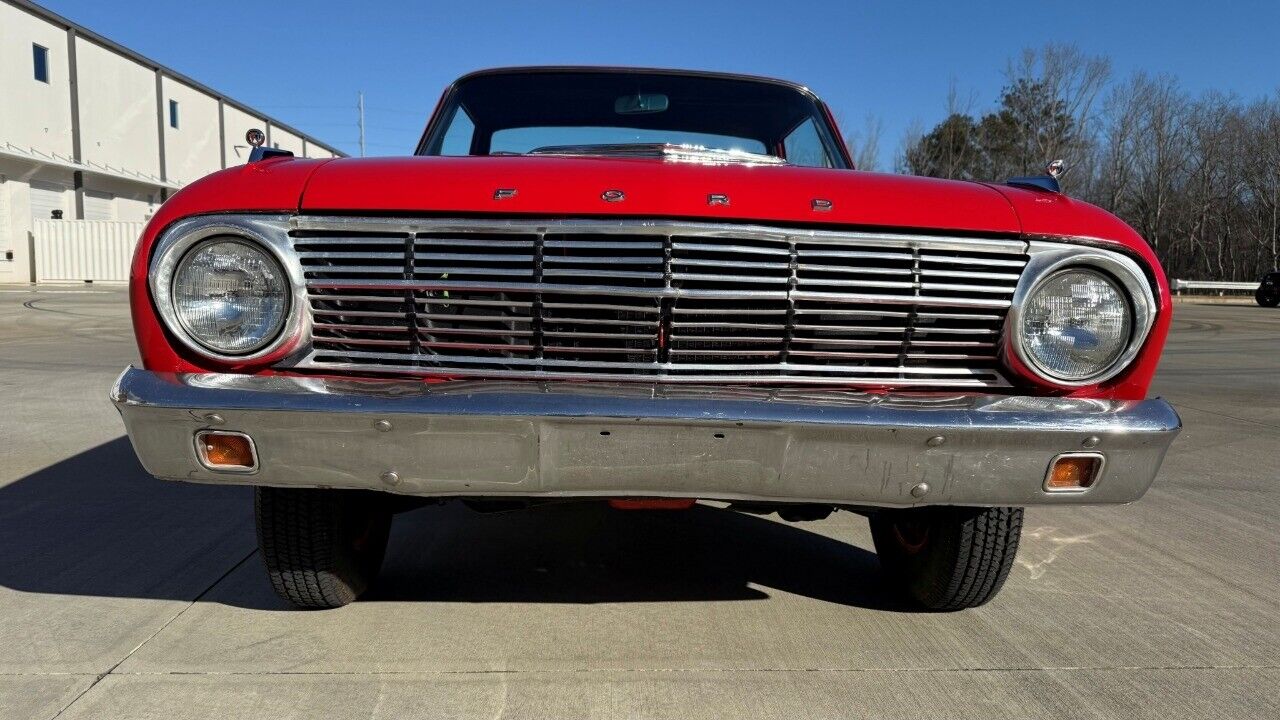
column 1267, row 297
column 322, row 548
column 947, row 558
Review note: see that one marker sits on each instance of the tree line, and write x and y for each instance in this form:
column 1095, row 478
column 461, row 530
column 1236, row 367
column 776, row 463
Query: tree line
column 1197, row 175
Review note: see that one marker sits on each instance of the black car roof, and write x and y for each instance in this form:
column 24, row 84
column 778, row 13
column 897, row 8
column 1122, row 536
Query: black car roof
column 525, row 69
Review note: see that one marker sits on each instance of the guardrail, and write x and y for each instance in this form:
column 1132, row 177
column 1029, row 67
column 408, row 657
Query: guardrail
column 1180, row 285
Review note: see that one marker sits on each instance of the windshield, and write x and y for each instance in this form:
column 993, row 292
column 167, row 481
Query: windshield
column 607, row 112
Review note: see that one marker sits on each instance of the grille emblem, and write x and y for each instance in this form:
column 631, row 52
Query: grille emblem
column 613, row 196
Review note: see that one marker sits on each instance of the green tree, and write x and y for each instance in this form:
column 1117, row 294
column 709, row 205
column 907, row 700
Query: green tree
column 950, row 150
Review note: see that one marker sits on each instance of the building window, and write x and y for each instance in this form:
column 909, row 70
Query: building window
column 40, row 62
column 173, row 114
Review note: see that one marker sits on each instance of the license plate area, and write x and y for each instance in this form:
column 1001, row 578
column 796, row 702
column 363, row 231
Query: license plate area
column 659, row 456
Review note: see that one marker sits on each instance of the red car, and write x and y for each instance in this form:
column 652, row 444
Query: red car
column 643, row 287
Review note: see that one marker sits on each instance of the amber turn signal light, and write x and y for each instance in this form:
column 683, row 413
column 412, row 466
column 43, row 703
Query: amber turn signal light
column 226, row 451
column 1073, row 472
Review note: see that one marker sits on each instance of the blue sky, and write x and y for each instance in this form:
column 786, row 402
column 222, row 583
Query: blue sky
column 303, row 62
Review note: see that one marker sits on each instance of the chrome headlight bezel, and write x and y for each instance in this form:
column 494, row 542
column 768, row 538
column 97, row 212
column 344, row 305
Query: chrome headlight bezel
column 1047, row 260
column 268, row 234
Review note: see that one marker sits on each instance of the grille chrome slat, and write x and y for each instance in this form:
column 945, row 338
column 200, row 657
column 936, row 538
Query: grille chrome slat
column 592, row 272
column 351, row 255
column 704, row 247
column 471, row 257
column 654, row 301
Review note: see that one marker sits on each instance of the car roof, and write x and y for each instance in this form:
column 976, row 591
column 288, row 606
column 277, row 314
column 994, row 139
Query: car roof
column 607, row 69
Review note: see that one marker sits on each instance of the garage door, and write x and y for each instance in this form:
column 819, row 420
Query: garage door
column 99, row 205
column 47, row 197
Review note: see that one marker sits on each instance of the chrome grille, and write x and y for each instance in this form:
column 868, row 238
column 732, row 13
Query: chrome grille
column 640, row 300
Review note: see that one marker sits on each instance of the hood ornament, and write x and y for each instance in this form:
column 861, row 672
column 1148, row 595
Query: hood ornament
column 260, row 152
column 1048, row 181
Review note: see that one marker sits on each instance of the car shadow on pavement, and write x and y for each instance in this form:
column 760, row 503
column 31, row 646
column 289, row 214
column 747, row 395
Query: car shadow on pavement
column 586, row 552
column 96, row 524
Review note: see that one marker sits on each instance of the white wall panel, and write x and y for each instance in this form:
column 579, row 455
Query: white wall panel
column 117, row 110
column 10, row 268
column 33, row 114
column 191, row 150
column 286, row 140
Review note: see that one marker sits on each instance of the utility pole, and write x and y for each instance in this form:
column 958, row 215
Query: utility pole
column 361, row 106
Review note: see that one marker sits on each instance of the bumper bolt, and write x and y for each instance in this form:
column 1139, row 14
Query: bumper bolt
column 391, row 477
column 382, row 426
column 920, row 490
column 1091, row 441
column 934, row 441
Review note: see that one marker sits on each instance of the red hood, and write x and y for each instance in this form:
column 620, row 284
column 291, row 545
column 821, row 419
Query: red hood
column 573, row 186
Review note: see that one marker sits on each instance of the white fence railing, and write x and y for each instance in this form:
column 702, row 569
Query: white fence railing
column 84, row 250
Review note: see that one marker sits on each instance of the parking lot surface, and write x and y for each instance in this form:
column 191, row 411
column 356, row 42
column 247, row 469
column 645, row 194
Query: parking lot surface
column 124, row 596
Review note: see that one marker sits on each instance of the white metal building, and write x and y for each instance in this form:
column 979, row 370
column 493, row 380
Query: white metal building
column 91, row 130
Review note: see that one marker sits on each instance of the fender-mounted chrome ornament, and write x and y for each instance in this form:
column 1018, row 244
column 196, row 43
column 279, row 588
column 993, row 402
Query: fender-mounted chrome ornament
column 613, row 196
column 821, row 205
column 1048, row 181
column 504, row 193
column 717, row 199
column 257, row 139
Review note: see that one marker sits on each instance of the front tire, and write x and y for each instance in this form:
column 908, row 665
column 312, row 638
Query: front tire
column 947, row 558
column 322, row 548
column 1267, row 297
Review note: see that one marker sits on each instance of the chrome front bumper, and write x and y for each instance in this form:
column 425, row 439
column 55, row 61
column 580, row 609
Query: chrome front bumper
column 528, row 439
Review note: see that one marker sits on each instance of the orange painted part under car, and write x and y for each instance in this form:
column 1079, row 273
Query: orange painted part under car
column 652, row 503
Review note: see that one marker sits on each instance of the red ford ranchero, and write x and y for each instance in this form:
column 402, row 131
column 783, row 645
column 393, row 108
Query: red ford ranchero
column 643, row 287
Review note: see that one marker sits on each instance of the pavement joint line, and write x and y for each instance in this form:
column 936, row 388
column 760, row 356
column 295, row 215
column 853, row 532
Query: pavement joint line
column 58, row 292
column 584, row 671
column 1183, row 405
column 158, row 630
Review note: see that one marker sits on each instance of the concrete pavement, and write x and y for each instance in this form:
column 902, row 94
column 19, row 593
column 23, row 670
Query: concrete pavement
column 122, row 596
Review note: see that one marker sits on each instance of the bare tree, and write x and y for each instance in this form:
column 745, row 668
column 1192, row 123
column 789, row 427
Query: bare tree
column 864, row 144
column 1197, row 176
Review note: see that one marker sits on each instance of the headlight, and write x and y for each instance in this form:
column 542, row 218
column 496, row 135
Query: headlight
column 230, row 296
column 1076, row 324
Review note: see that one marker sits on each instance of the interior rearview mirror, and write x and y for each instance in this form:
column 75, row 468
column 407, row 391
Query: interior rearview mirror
column 640, row 103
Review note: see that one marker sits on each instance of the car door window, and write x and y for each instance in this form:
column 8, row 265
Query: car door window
column 804, row 146
column 457, row 140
